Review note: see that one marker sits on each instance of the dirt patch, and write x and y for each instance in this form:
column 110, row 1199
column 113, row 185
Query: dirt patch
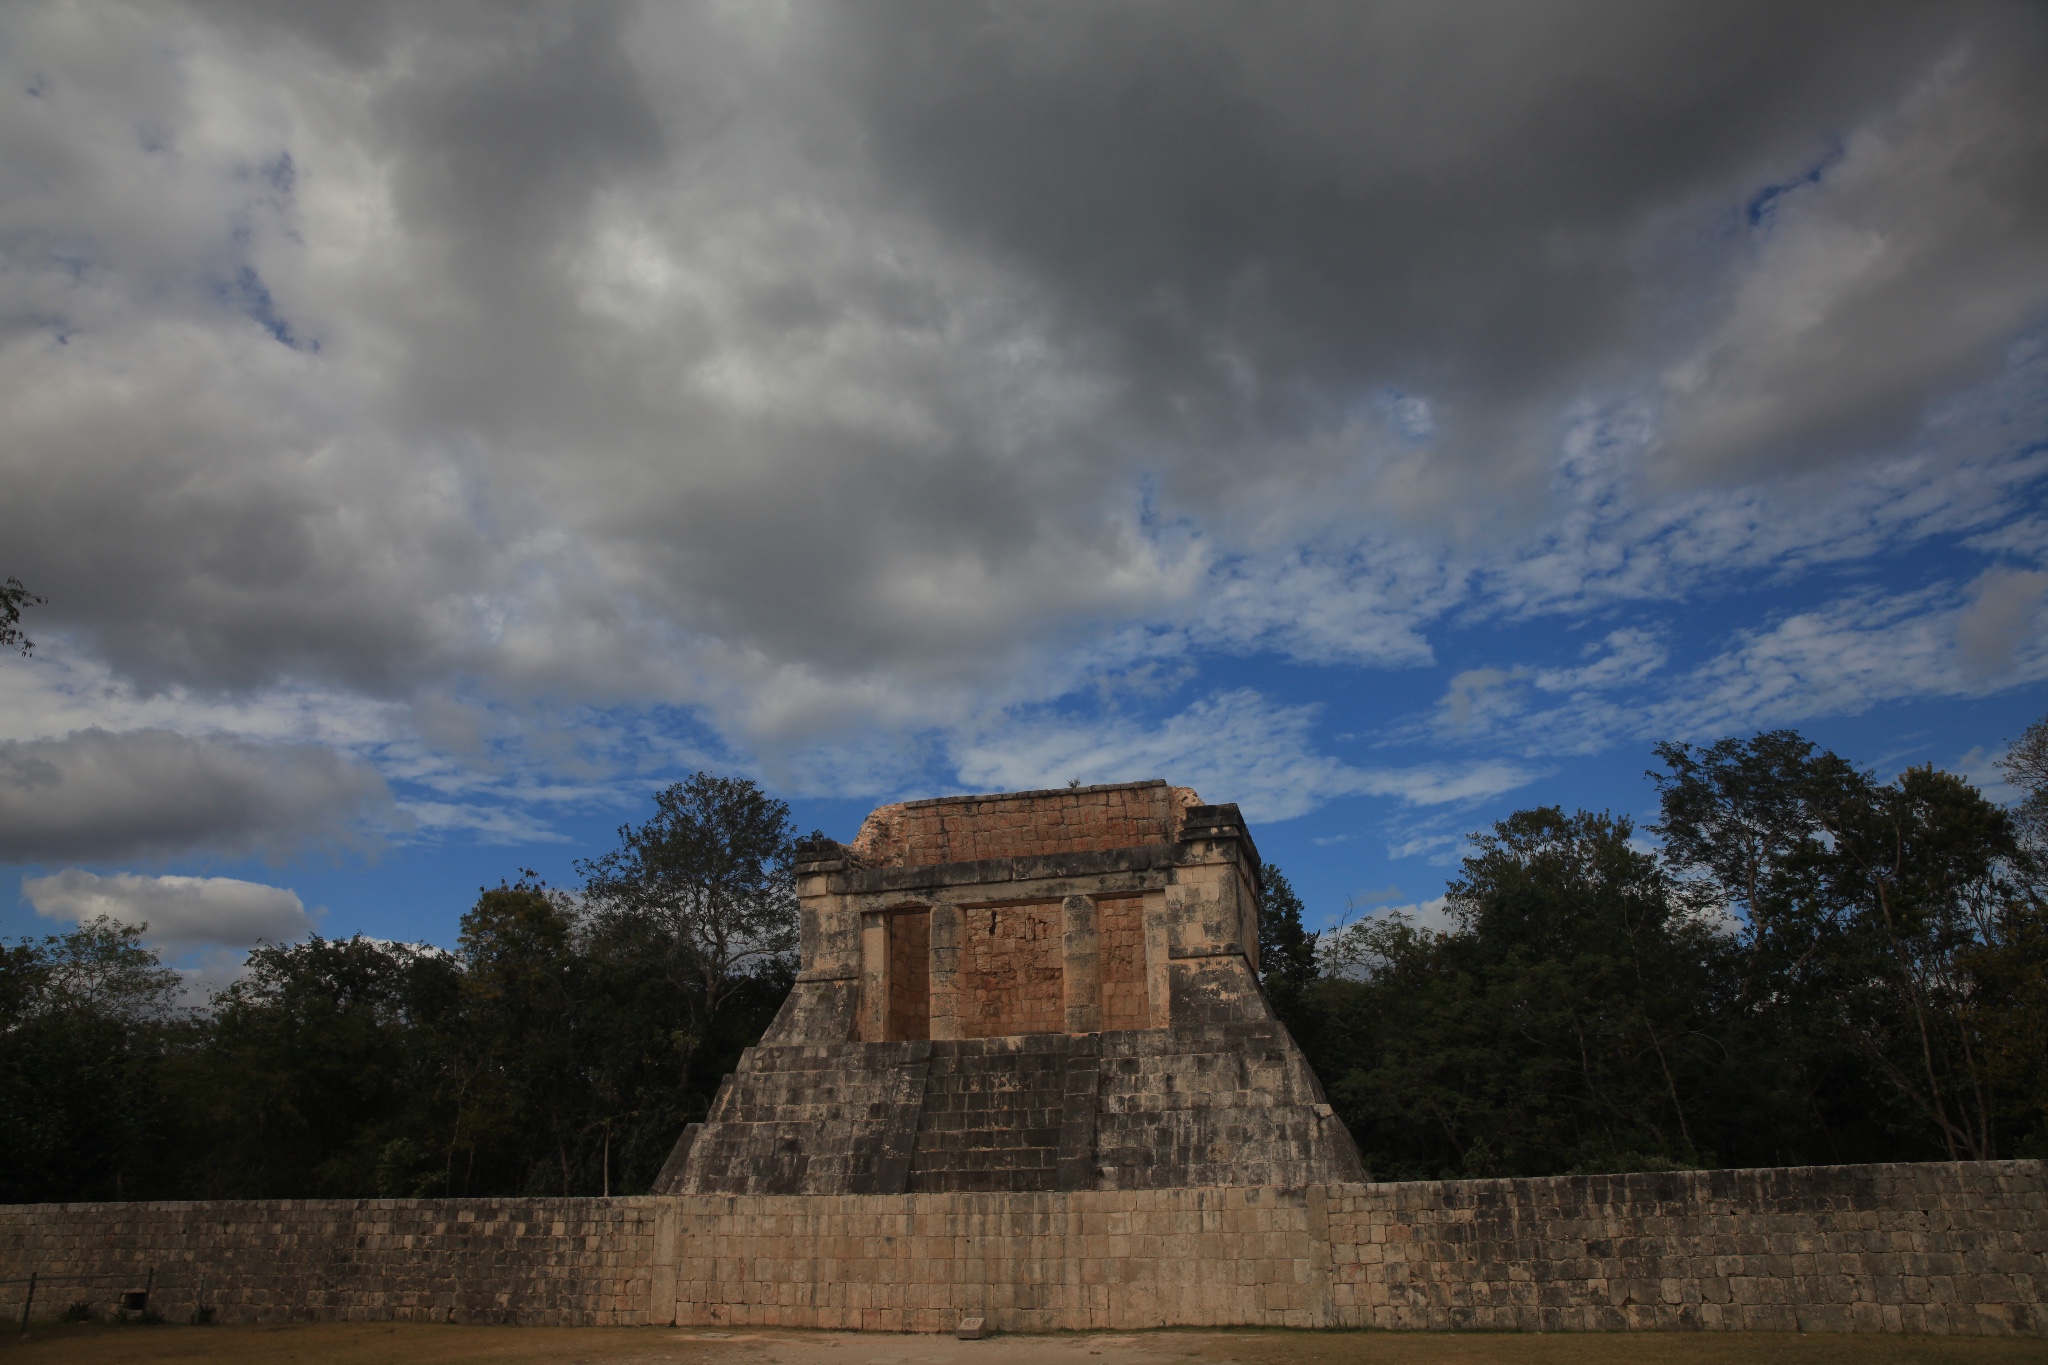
column 419, row 1344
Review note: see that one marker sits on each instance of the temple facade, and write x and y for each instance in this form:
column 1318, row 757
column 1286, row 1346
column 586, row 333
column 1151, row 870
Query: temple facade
column 1052, row 990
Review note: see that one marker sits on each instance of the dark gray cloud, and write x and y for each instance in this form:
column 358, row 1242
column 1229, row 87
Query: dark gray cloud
column 180, row 912
column 96, row 796
column 1262, row 216
column 838, row 365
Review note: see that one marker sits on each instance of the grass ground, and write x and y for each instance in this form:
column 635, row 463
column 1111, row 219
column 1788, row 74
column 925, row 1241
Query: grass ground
column 410, row 1344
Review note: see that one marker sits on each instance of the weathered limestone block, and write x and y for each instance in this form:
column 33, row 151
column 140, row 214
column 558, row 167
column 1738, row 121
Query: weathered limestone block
column 1568, row 1253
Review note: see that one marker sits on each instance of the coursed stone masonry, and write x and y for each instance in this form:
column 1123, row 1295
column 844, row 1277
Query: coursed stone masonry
column 1950, row 1248
column 1035, row 991
column 1027, row 1075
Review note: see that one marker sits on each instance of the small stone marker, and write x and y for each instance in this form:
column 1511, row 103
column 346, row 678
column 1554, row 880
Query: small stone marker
column 971, row 1329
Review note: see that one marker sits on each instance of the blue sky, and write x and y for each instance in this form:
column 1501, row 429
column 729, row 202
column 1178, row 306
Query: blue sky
column 434, row 432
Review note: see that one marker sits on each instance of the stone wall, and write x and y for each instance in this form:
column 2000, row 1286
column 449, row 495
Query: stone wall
column 1120, row 956
column 1936, row 1247
column 1034, row 824
column 1011, row 972
column 573, row 1262
column 1948, row 1247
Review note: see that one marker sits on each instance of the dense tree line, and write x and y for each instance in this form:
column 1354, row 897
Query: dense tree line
column 1807, row 966
column 559, row 1049
column 1804, row 965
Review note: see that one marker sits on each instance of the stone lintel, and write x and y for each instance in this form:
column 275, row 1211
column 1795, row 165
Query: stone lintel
column 1000, row 895
column 1036, row 793
column 1145, row 867
column 870, row 881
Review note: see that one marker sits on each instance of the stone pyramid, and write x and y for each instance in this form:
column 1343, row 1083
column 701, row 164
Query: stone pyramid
column 1049, row 990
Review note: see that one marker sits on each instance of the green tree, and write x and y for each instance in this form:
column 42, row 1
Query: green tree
column 519, row 1069
column 1919, row 867
column 2015, row 979
column 641, row 1028
column 13, row 597
column 85, row 1018
column 1737, row 824
column 1875, row 916
column 1287, row 950
column 559, row 1050
column 319, row 1073
column 2026, row 766
column 1566, row 1020
column 707, row 889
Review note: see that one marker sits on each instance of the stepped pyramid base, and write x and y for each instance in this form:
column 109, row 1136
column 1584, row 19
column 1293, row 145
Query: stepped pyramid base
column 1223, row 1104
column 1092, row 907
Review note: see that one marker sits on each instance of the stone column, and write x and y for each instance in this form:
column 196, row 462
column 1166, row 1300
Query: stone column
column 874, row 978
column 1081, row 946
column 662, row 1274
column 945, row 971
column 1158, row 972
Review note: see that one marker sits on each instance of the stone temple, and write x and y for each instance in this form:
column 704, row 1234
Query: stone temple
column 1051, row 990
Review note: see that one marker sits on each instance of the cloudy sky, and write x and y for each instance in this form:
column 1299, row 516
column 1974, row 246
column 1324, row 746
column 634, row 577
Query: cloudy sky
column 434, row 426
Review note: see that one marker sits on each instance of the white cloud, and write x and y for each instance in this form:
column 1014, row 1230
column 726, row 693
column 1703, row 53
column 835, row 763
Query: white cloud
column 1326, row 602
column 2001, row 618
column 1861, row 287
column 1345, row 949
column 1980, row 768
column 1624, row 658
column 1839, row 658
column 1235, row 742
column 1440, row 849
column 1842, row 659
column 182, row 913
column 671, row 358
column 1433, row 915
column 1441, row 784
column 99, row 795
column 1611, row 539
column 491, row 824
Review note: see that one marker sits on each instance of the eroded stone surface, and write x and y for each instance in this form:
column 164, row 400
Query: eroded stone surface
column 1174, row 1167
column 1028, row 992
column 1936, row 1247
column 953, row 829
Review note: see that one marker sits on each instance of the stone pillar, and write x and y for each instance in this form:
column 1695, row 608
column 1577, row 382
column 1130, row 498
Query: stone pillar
column 662, row 1274
column 1083, row 963
column 1158, row 974
column 1248, row 910
column 874, row 978
column 945, row 971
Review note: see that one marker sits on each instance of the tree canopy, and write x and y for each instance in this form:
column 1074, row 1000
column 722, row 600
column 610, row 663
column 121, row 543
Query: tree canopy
column 1795, row 963
column 559, row 1048
column 13, row 597
column 1815, row 966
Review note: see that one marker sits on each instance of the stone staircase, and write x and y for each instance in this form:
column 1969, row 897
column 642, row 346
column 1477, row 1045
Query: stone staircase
column 1015, row 1113
column 806, row 1120
column 1211, row 1102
